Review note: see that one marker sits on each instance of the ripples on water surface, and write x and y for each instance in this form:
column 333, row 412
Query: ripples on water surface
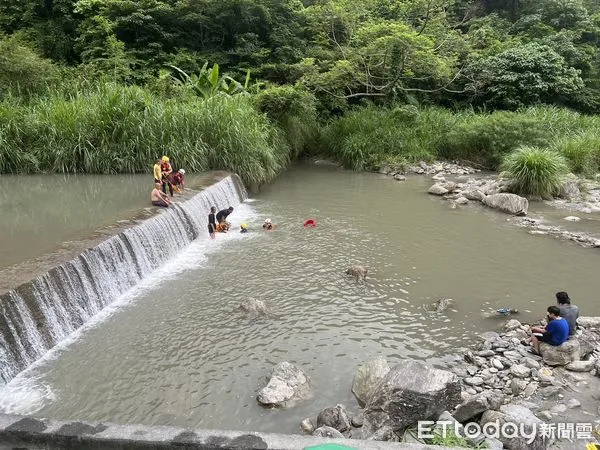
column 182, row 354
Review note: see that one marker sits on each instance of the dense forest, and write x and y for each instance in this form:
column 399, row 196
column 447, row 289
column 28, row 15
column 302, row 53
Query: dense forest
column 248, row 85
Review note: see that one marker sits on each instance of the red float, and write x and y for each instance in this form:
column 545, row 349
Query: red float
column 310, row 223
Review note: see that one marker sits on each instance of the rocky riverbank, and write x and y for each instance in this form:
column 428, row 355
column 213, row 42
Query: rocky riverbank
column 552, row 400
column 461, row 185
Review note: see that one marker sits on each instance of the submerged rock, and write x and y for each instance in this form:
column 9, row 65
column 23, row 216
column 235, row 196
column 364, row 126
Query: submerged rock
column 440, row 305
column 288, row 383
column 508, row 203
column 367, row 377
column 358, row 272
column 410, row 392
column 254, row 306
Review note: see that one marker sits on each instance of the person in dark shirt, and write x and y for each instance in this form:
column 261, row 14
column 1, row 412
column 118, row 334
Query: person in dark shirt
column 222, row 215
column 555, row 333
column 567, row 311
column 212, row 224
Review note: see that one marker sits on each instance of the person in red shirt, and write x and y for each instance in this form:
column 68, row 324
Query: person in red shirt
column 178, row 179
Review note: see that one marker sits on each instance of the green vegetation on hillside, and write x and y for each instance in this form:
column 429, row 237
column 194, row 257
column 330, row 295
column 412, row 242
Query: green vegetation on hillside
column 248, row 85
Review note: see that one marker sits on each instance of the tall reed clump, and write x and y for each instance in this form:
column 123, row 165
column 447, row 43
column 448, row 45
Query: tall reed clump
column 534, row 171
column 116, row 129
column 367, row 137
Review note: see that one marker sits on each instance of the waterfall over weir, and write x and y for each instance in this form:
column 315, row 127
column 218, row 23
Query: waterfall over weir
column 39, row 314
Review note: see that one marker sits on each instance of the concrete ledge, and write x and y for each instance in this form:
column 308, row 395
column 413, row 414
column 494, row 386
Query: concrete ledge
column 28, row 433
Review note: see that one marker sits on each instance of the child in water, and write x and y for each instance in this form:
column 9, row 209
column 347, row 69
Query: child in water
column 243, row 228
column 268, row 225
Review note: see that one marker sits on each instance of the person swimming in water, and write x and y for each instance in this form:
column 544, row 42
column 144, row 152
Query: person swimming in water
column 268, row 225
column 243, row 228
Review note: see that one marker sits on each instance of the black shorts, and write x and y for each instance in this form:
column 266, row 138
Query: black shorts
column 545, row 337
column 211, row 229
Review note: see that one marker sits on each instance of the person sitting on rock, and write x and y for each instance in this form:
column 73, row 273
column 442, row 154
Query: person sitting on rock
column 555, row 333
column 567, row 311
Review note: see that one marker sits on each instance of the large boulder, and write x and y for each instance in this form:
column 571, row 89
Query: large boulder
column 581, row 366
column 474, row 194
column 508, row 203
column 410, row 392
column 588, row 341
column 477, row 404
column 560, row 355
column 335, row 418
column 570, row 189
column 588, row 322
column 438, row 189
column 288, row 383
column 518, row 416
column 367, row 377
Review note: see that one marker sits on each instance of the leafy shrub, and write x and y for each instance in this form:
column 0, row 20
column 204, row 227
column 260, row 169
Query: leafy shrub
column 534, row 171
column 294, row 110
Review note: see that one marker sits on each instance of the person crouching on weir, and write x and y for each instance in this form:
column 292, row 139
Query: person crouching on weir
column 223, row 214
column 177, row 180
column 159, row 198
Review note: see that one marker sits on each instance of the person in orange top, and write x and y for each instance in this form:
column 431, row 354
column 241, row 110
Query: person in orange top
column 166, row 171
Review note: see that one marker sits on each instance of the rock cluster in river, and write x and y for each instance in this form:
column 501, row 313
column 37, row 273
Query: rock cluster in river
column 423, row 168
column 492, row 193
column 499, row 380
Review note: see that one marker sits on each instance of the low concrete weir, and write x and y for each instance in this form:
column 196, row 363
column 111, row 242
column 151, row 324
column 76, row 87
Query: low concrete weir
column 27, row 433
column 37, row 315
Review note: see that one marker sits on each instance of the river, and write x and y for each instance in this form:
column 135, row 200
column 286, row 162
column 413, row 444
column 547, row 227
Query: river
column 177, row 351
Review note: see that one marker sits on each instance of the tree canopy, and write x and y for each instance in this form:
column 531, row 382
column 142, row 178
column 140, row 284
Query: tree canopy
column 490, row 53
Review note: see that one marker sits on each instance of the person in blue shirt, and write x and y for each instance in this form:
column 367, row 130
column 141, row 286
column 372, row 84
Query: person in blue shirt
column 555, row 333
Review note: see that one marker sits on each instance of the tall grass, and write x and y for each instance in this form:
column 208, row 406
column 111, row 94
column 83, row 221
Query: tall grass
column 582, row 150
column 535, row 171
column 368, row 137
column 365, row 138
column 116, row 129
